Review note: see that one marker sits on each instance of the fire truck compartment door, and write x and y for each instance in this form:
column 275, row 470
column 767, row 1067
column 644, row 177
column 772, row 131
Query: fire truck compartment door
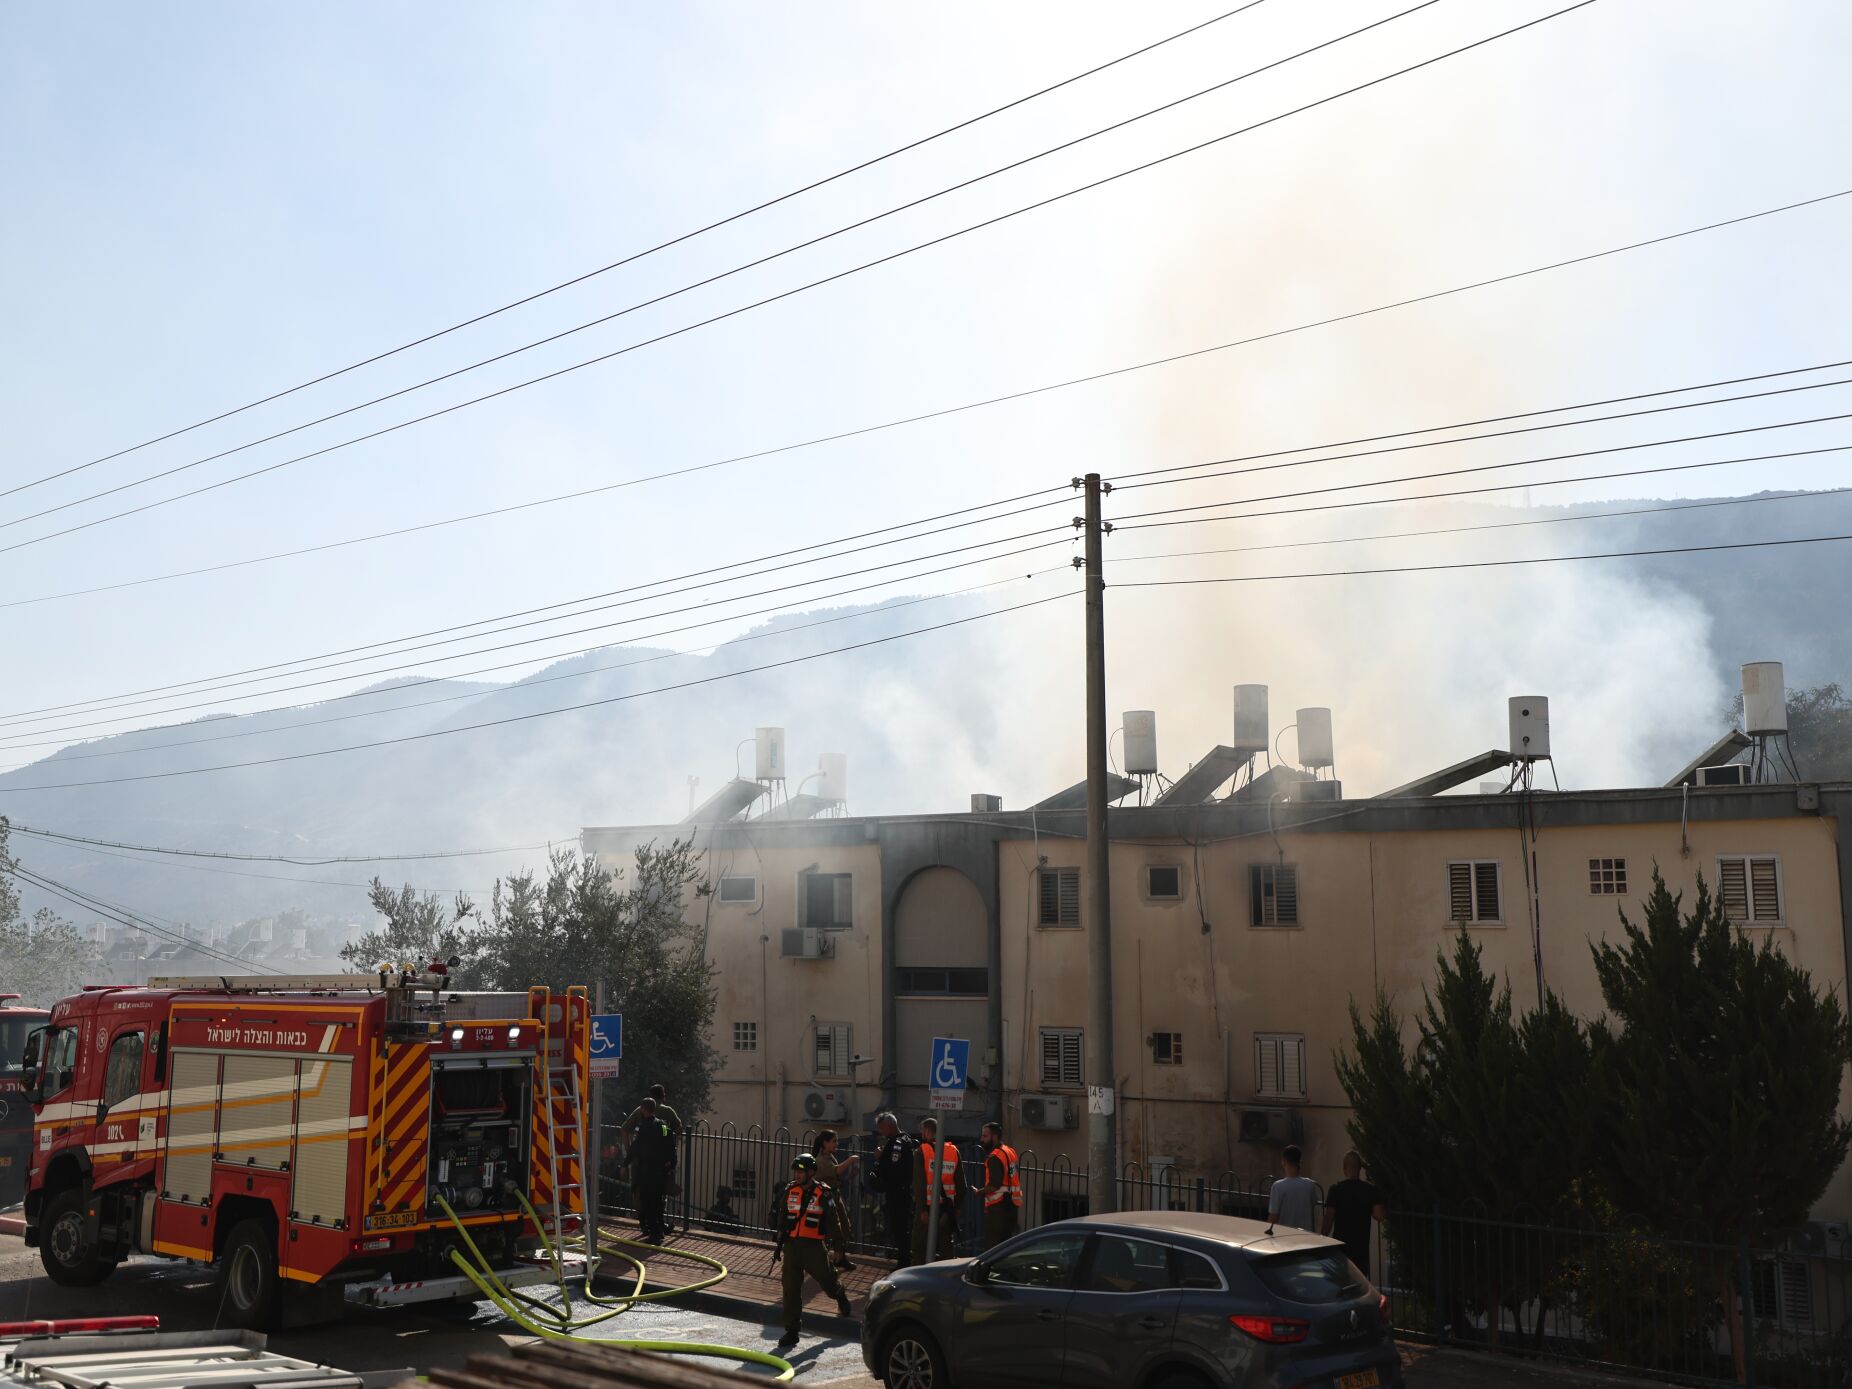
column 322, row 1130
column 257, row 1110
column 192, row 1126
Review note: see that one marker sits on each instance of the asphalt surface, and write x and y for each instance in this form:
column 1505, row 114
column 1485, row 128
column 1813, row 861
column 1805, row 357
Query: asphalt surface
column 377, row 1339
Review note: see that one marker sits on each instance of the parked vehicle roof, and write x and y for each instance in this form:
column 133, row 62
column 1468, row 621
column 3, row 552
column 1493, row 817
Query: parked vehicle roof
column 1229, row 1230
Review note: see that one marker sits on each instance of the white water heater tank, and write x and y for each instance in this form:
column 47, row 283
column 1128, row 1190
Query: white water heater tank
column 769, row 758
column 1530, row 727
column 1251, row 726
column 833, row 781
column 1315, row 749
column 1765, row 698
column 1140, row 742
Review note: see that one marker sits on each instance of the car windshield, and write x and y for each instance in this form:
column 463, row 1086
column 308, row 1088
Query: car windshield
column 1309, row 1275
column 13, row 1032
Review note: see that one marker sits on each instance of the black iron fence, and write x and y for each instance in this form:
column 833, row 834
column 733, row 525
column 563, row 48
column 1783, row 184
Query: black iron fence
column 1620, row 1298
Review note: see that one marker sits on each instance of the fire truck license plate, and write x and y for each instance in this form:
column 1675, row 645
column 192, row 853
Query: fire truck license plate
column 6, row 1161
column 392, row 1220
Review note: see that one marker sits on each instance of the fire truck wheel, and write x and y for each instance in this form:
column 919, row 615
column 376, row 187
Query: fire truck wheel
column 248, row 1276
column 62, row 1249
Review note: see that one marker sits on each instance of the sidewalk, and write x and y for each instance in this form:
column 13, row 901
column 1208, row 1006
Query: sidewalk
column 753, row 1288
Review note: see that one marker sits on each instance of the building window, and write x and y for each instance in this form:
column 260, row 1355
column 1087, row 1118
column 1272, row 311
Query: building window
column 829, row 900
column 1167, row 1048
column 1782, row 1292
column 1061, row 1057
column 1749, row 889
column 739, row 890
column 1058, row 895
column 832, row 1049
column 745, row 1183
column 745, row 1036
column 1273, row 895
column 1472, row 892
column 1607, row 877
column 1279, row 1065
column 1164, row 882
column 958, row 983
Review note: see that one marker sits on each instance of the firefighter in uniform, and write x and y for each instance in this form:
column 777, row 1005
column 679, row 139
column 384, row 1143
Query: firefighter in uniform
column 806, row 1217
column 940, row 1162
column 892, row 1175
column 1002, row 1190
column 652, row 1167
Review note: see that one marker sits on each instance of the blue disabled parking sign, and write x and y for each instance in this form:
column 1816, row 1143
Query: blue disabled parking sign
column 607, row 1043
column 951, row 1065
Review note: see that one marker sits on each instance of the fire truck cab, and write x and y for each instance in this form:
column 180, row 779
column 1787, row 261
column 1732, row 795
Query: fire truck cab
column 299, row 1131
column 15, row 1113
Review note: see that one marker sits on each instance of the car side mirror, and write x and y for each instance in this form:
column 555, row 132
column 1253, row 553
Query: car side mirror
column 977, row 1273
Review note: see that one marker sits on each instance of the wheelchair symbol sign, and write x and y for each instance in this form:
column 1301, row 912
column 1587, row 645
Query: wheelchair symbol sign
column 607, row 1042
column 951, row 1064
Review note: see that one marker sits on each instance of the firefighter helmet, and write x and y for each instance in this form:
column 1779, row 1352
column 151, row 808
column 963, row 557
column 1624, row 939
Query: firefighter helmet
column 804, row 1162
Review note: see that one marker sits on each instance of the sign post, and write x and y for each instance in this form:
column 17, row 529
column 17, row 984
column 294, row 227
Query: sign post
column 945, row 1077
column 607, row 1035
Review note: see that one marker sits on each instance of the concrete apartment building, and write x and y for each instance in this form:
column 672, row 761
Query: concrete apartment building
column 1243, row 927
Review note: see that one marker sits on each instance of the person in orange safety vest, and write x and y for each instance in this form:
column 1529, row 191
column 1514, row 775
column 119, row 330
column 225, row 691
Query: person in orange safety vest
column 1002, row 1189
column 805, row 1212
column 952, row 1188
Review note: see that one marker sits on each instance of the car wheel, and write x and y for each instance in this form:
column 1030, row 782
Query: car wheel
column 910, row 1359
column 248, row 1276
column 68, row 1257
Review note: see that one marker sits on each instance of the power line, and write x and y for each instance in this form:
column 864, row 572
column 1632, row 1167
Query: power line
column 1480, row 491
column 525, row 685
column 1483, row 467
column 549, row 713
column 245, row 873
column 40, row 833
column 1008, row 398
column 699, row 606
column 694, row 284
column 635, row 255
column 799, row 289
column 1487, row 563
column 123, row 916
column 110, row 700
column 638, row 588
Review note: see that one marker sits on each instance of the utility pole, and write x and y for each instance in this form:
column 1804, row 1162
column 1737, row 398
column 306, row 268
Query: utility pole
column 1102, row 1123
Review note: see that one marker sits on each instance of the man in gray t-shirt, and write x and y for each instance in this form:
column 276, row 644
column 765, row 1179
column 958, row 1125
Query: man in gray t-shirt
column 1292, row 1199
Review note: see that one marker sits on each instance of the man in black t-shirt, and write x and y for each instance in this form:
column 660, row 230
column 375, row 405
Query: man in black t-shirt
column 1350, row 1205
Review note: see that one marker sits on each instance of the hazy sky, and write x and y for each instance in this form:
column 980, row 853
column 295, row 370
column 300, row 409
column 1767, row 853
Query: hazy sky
column 210, row 202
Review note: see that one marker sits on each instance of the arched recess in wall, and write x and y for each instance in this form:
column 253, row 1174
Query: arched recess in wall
column 941, row 981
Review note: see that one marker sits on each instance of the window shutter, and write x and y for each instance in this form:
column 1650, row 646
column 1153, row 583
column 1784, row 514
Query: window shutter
column 1796, row 1295
column 1485, row 885
column 1733, row 888
column 1072, row 1072
column 1764, row 893
column 1460, row 890
column 1266, row 1066
column 844, row 900
column 1292, row 1066
column 1050, row 909
column 1051, row 1057
column 1070, row 896
column 1286, row 895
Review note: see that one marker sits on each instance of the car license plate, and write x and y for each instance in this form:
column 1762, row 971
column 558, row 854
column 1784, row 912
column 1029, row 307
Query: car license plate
column 6, row 1161
column 1366, row 1379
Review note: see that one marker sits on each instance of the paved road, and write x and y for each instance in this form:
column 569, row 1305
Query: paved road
column 372, row 1339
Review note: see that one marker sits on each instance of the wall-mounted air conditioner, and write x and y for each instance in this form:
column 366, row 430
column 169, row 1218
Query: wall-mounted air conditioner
column 806, row 943
column 1729, row 774
column 825, row 1107
column 1271, row 1126
column 1049, row 1112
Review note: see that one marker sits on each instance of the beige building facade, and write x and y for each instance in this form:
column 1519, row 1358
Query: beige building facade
column 1242, row 933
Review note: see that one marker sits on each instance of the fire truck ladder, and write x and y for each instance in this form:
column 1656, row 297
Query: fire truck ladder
column 566, row 1141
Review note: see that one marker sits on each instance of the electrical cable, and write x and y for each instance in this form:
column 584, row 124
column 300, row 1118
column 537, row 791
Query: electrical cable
column 267, row 877
column 635, row 255
column 1008, row 398
column 124, row 917
column 1480, row 491
column 548, row 713
column 91, row 721
column 1477, row 468
column 783, row 294
column 582, row 600
column 694, row 284
column 38, row 832
column 27, row 715
column 1490, row 563
column 511, row 688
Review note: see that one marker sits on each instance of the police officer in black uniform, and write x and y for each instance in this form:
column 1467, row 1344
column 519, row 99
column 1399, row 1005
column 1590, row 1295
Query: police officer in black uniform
column 892, row 1176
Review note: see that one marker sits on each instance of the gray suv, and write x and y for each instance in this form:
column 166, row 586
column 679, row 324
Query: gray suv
column 1144, row 1300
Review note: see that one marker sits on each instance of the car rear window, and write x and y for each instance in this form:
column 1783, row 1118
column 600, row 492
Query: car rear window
column 1309, row 1275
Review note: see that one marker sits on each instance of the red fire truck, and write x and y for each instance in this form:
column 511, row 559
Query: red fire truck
column 298, row 1132
column 15, row 1112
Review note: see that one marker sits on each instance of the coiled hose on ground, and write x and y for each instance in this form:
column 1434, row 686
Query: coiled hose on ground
column 557, row 1323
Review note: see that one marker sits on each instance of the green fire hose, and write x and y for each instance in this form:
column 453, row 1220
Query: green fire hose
column 557, row 1323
